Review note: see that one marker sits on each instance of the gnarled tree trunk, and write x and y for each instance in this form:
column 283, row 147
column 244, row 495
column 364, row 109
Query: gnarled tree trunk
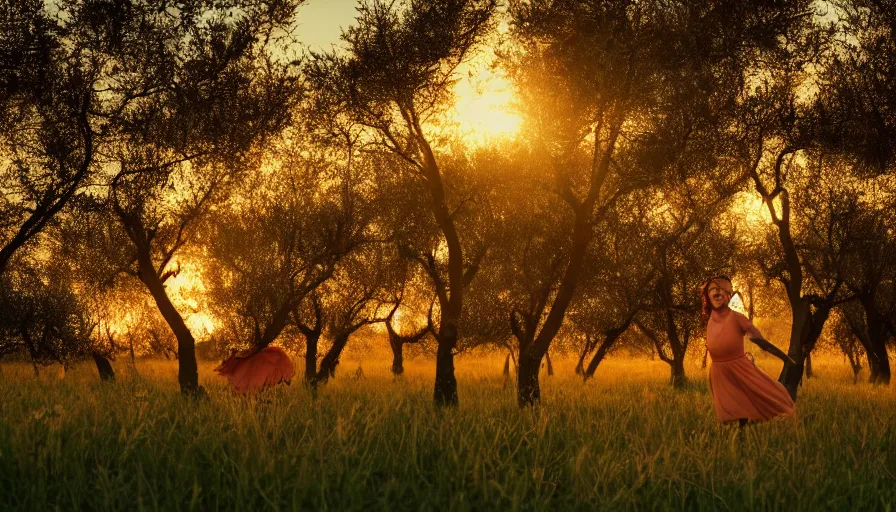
column 531, row 353
column 528, row 387
column 855, row 326
column 330, row 360
column 312, row 338
column 678, row 343
column 103, row 366
column 445, row 392
column 678, row 378
column 877, row 338
column 397, row 355
column 397, row 341
column 609, row 340
column 188, row 371
column 791, row 375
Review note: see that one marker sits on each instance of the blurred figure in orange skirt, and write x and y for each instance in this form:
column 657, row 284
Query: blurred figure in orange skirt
column 254, row 370
column 740, row 391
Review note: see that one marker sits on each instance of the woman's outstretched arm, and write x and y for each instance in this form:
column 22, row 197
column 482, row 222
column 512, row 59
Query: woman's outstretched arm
column 767, row 346
column 756, row 337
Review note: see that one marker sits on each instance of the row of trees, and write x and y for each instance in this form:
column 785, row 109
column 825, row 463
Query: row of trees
column 323, row 192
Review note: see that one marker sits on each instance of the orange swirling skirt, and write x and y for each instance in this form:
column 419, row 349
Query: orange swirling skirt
column 740, row 390
column 256, row 370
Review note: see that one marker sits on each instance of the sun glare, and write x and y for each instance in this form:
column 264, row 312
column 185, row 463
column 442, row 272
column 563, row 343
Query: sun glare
column 752, row 210
column 483, row 110
column 185, row 288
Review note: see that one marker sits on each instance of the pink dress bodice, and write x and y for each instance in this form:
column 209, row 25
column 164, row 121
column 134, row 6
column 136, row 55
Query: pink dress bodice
column 725, row 335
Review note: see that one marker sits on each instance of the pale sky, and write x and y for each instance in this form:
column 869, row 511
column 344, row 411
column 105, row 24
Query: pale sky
column 320, row 21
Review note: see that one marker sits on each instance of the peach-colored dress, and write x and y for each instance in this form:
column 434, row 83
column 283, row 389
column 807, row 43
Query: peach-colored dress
column 740, row 390
column 254, row 371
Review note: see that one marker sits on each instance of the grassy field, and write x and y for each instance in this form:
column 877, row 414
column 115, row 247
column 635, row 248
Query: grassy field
column 624, row 441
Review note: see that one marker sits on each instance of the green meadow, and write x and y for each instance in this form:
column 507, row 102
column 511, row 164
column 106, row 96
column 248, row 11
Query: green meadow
column 624, row 441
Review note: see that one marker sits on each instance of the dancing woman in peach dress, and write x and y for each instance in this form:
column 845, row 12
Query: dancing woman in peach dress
column 740, row 391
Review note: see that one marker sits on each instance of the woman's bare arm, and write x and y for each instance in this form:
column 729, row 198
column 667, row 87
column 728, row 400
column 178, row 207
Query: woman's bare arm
column 767, row 346
column 756, row 337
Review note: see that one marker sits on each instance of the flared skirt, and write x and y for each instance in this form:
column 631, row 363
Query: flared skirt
column 740, row 390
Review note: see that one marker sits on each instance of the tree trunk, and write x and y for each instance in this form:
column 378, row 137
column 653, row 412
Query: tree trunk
column 451, row 299
column 813, row 332
column 188, row 371
column 791, row 375
column 602, row 350
column 311, row 341
column 882, row 358
column 855, row 327
column 508, row 361
column 583, row 233
column 678, row 347
column 330, row 361
column 529, row 392
column 275, row 327
column 610, row 338
column 397, row 355
column 528, row 389
column 677, row 378
column 103, row 366
column 877, row 339
column 873, row 368
column 547, row 358
column 590, row 342
column 856, row 365
column 852, row 355
column 445, row 391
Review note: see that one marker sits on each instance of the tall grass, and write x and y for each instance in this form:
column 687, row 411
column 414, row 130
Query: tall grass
column 624, row 441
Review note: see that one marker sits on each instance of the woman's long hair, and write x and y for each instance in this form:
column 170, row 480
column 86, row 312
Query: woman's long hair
column 706, row 308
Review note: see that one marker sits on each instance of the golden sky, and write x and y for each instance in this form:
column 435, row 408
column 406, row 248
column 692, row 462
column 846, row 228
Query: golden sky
column 483, row 110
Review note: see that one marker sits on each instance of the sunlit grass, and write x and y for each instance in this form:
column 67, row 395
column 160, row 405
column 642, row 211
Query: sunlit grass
column 624, row 441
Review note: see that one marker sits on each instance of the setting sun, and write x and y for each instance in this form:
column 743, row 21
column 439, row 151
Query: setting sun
column 484, row 109
column 750, row 207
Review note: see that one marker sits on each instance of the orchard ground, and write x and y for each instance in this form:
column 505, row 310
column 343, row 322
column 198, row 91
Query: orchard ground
column 624, row 441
